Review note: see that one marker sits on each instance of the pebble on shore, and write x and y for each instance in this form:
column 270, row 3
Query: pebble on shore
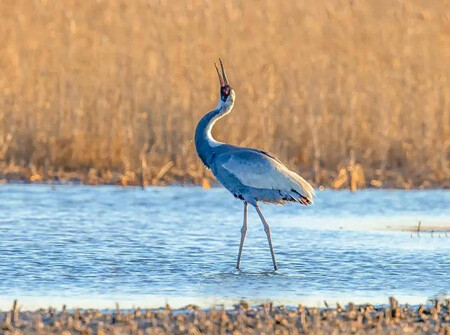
column 243, row 319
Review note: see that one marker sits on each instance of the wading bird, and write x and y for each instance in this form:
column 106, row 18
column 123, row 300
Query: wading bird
column 251, row 175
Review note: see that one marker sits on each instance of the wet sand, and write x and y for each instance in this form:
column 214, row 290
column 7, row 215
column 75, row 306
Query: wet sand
column 242, row 319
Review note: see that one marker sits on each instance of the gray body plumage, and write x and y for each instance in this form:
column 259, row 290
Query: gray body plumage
column 249, row 174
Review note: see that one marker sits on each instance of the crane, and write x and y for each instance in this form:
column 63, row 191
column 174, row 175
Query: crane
column 251, row 175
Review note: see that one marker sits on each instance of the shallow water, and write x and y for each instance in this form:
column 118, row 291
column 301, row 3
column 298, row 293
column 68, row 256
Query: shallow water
column 92, row 246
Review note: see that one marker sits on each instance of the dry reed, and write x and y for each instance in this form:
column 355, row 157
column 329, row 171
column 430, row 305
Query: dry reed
column 348, row 93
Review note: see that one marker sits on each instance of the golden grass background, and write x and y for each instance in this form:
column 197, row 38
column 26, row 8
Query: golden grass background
column 348, row 93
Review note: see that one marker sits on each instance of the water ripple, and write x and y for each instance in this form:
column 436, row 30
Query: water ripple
column 183, row 241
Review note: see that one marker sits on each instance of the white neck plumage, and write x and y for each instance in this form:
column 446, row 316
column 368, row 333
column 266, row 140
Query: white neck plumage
column 223, row 108
column 204, row 141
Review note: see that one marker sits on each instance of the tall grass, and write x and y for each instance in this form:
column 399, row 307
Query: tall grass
column 348, row 93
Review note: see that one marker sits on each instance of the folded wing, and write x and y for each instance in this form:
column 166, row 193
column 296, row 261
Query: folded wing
column 260, row 170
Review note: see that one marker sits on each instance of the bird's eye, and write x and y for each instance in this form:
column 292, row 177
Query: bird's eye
column 226, row 90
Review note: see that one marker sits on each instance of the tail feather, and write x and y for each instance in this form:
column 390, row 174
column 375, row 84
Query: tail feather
column 304, row 189
column 300, row 198
column 290, row 196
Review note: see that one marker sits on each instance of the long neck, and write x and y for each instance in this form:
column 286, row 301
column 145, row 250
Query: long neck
column 204, row 141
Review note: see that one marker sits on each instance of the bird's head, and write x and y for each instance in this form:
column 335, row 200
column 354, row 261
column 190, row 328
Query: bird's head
column 227, row 94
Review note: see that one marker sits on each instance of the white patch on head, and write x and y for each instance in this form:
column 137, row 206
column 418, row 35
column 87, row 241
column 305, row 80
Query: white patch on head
column 227, row 105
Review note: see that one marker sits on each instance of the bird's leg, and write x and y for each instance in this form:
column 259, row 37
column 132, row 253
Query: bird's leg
column 269, row 236
column 243, row 233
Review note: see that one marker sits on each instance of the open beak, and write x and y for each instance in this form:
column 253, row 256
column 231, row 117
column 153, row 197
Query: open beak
column 222, row 78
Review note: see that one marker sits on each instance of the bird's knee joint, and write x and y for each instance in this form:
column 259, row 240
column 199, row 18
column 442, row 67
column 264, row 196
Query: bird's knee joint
column 244, row 230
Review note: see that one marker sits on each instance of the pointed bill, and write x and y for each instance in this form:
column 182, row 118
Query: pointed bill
column 223, row 72
column 221, row 81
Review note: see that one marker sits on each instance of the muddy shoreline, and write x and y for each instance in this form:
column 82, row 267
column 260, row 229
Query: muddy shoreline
column 242, row 319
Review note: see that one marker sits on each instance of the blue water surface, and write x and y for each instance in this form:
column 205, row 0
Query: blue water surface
column 180, row 243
